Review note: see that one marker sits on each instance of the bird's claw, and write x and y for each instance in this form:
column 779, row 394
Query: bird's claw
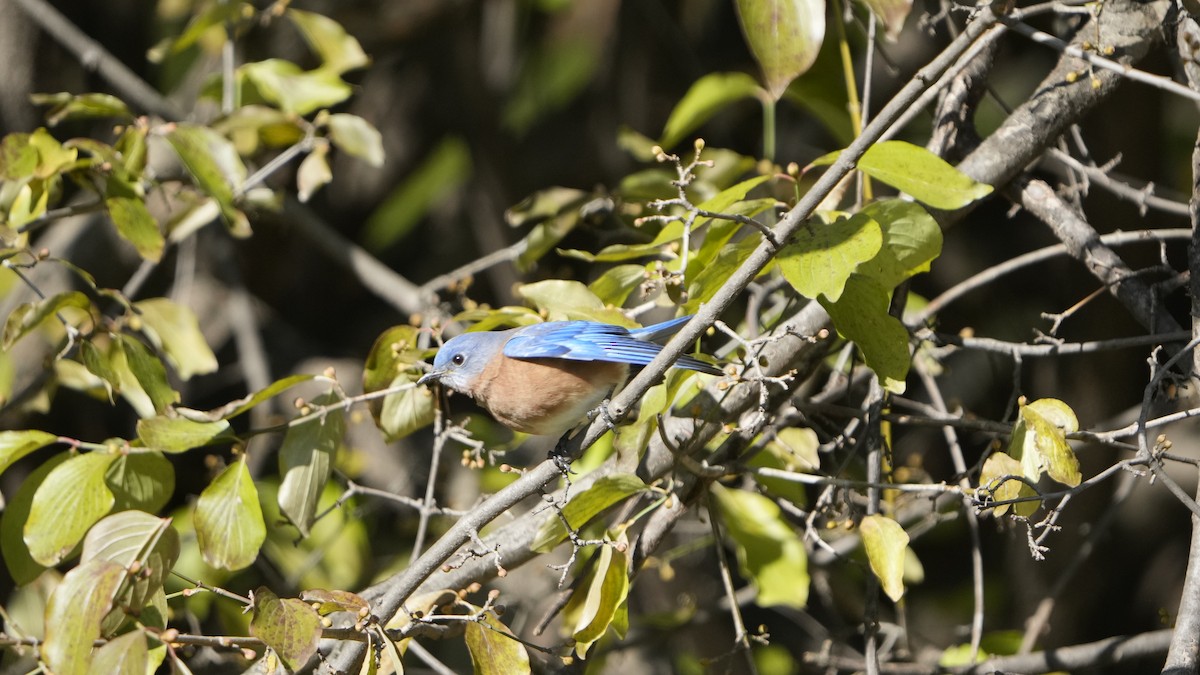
column 602, row 412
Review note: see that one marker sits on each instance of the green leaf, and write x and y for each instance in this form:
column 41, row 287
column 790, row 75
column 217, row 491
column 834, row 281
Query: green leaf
column 287, row 625
column 481, row 318
column 215, row 165
column 141, row 480
column 728, row 198
column 594, row 603
column 793, row 450
column 586, row 505
column 357, row 137
column 150, row 373
column 229, row 521
column 493, row 648
column 97, row 363
column 911, row 241
column 390, row 363
column 997, row 467
column 176, row 434
column 174, row 329
column 293, row 89
column 74, row 614
column 822, row 257
column 562, row 299
column 305, row 461
column 127, row 383
column 73, row 497
column 23, row 568
column 439, row 177
column 706, row 97
column 339, row 51
column 885, row 541
column 1039, row 441
column 918, row 172
column 544, row 237
column 29, row 316
column 405, row 411
column 146, row 548
column 553, row 213
column 67, row 106
column 234, row 408
column 123, row 655
column 784, row 36
column 861, row 315
column 136, row 226
column 706, row 284
column 544, row 205
column 614, row 286
column 769, row 552
column 16, row 444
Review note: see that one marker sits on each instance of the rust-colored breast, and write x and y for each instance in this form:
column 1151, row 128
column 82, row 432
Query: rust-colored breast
column 545, row 396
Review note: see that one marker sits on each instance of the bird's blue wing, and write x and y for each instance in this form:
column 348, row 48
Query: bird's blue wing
column 592, row 341
column 658, row 331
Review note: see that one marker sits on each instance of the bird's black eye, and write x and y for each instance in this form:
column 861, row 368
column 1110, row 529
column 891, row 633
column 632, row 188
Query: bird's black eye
column 457, row 359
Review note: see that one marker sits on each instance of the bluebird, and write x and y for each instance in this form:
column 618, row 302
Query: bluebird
column 545, row 378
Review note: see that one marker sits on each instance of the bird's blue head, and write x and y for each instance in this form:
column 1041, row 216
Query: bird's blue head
column 462, row 359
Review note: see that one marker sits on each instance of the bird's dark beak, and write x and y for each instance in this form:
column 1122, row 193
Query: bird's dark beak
column 431, row 376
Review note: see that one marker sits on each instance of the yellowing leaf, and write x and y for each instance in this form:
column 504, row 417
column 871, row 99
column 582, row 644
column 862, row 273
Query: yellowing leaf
column 29, row 316
column 492, row 651
column 174, row 329
column 892, row 14
column 339, row 51
column 355, row 136
column 287, row 625
column 74, row 614
column 996, row 467
column 314, row 173
column 594, row 604
column 885, row 540
column 1039, row 439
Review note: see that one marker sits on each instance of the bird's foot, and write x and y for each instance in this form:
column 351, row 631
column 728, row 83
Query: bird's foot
column 561, row 455
column 601, row 411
